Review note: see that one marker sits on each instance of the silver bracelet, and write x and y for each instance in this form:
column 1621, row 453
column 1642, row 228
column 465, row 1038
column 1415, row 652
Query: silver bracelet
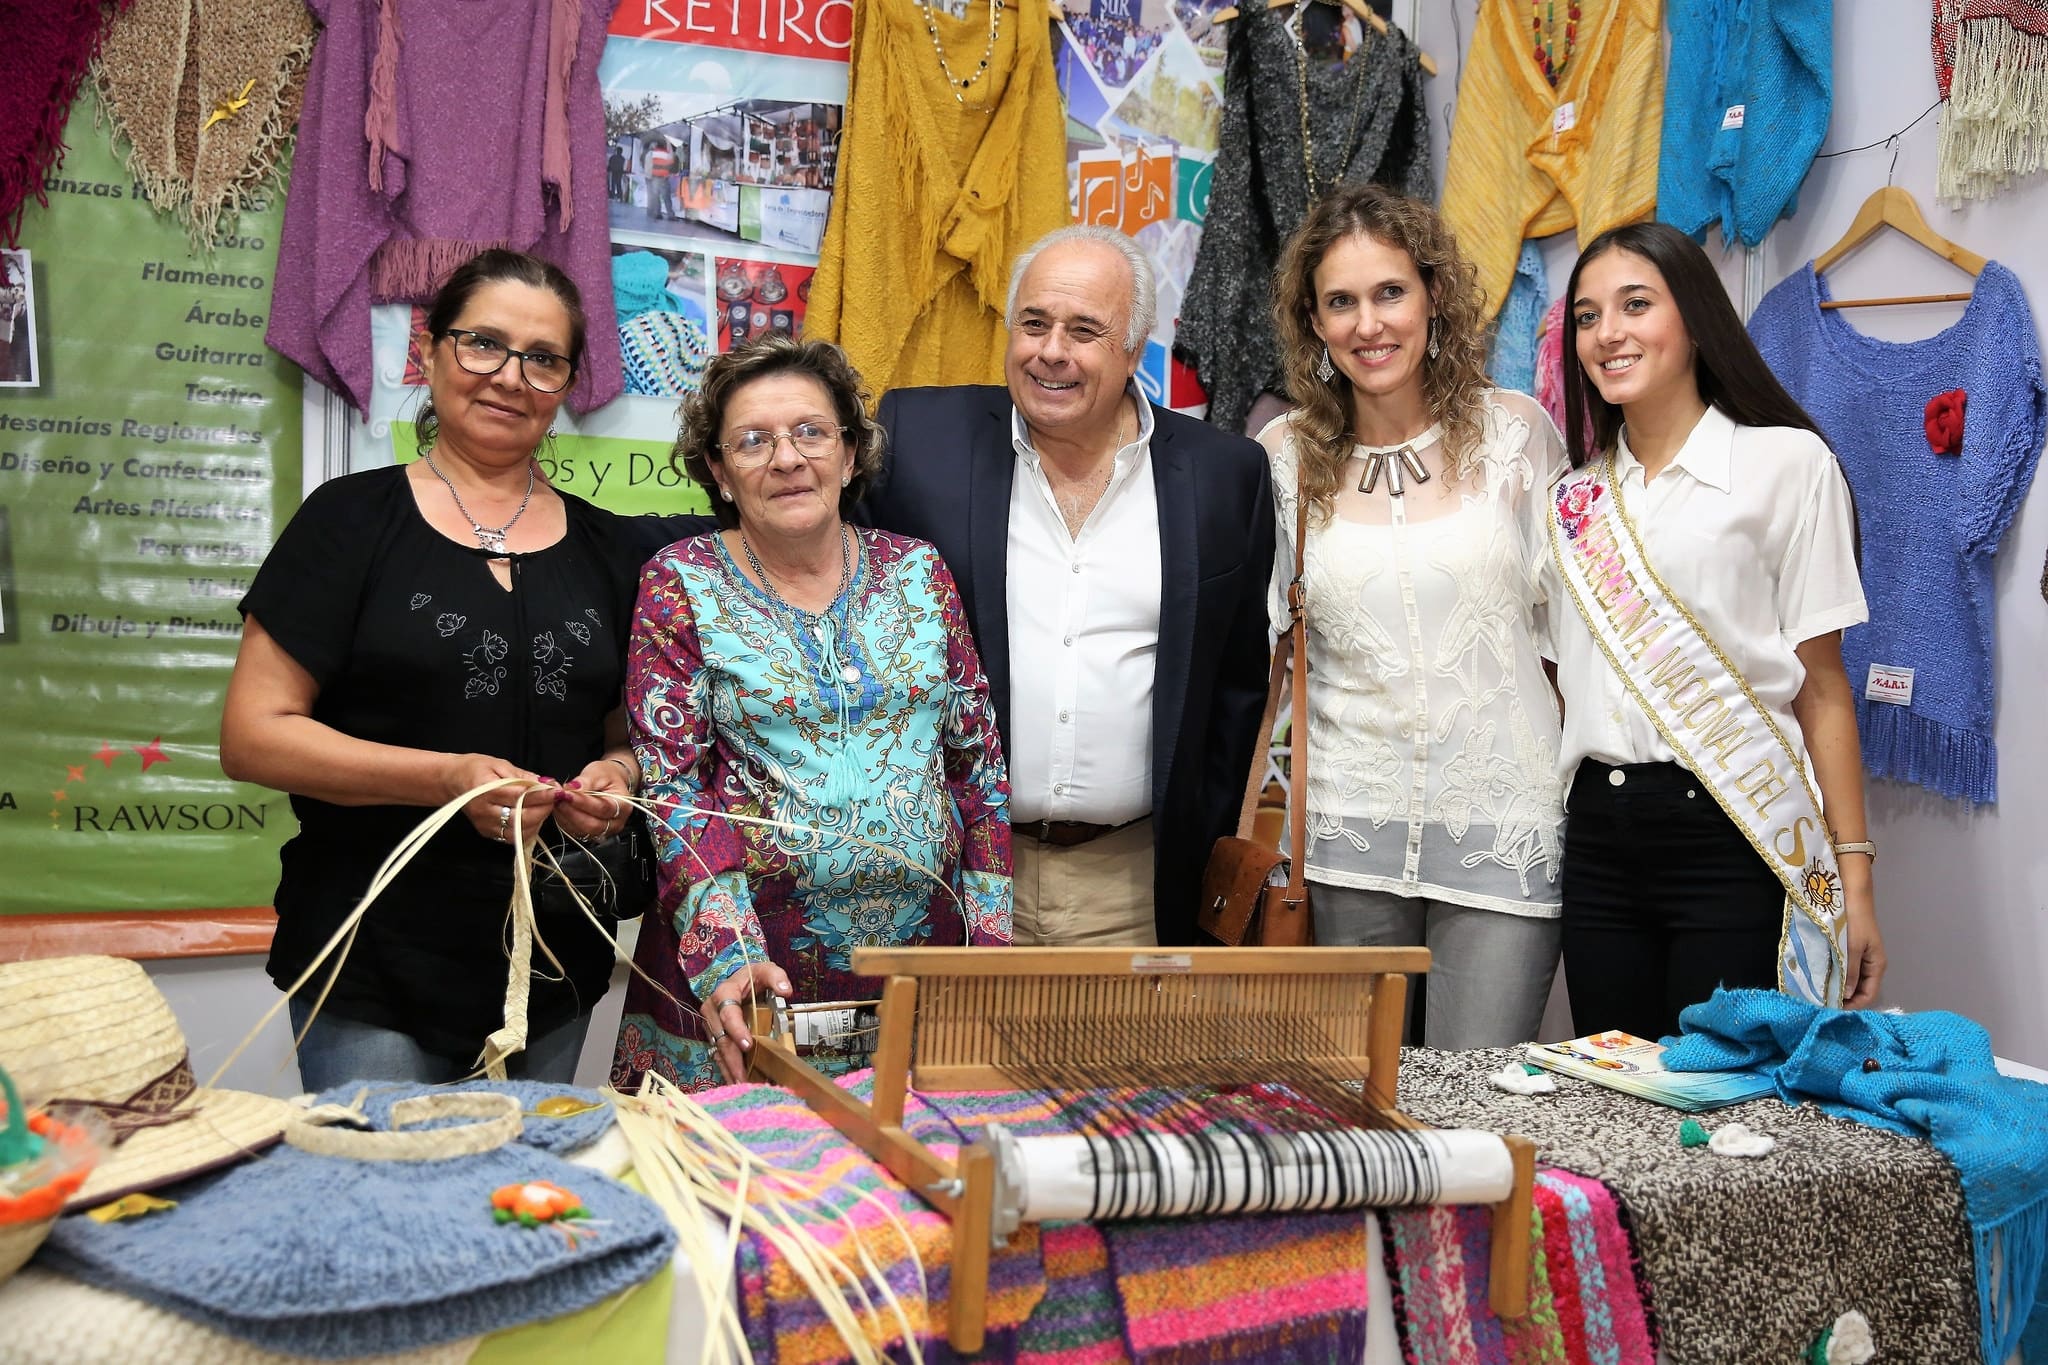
column 632, row 777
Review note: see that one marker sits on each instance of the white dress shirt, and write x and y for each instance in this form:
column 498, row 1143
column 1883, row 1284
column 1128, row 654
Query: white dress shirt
column 1433, row 733
column 1084, row 641
column 1750, row 527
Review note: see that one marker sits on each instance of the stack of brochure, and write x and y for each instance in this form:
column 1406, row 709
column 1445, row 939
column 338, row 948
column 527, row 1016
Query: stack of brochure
column 1635, row 1066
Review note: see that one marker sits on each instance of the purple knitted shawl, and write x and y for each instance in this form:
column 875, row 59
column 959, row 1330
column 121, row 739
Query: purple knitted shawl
column 431, row 132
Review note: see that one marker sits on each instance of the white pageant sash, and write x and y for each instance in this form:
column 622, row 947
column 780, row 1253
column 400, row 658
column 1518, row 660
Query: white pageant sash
column 1706, row 712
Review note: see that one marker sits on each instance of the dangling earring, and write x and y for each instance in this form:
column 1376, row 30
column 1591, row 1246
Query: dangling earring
column 1325, row 371
column 1436, row 347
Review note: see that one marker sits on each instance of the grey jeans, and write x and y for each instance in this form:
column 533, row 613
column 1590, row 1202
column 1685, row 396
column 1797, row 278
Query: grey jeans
column 1489, row 973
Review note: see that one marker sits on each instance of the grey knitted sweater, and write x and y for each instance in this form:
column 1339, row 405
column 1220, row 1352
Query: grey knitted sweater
column 1367, row 121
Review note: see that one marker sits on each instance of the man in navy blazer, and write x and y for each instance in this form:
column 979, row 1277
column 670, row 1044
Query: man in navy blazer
column 1113, row 558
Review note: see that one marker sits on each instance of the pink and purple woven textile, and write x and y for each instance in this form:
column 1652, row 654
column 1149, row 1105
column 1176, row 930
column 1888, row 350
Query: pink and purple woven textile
column 1251, row 1290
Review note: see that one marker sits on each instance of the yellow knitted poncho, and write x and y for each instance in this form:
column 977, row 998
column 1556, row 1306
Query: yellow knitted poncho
column 934, row 199
column 1512, row 173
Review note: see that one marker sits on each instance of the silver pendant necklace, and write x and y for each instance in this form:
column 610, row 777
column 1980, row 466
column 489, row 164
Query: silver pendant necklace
column 491, row 538
column 1391, row 460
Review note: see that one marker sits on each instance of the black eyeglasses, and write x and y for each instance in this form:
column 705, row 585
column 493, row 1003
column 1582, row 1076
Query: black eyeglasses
column 543, row 371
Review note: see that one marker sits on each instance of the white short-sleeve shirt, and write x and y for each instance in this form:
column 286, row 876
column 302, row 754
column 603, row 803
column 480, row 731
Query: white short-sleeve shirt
column 1751, row 527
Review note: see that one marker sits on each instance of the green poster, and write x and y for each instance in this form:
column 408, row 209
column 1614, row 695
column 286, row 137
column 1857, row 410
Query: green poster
column 629, row 477
column 149, row 453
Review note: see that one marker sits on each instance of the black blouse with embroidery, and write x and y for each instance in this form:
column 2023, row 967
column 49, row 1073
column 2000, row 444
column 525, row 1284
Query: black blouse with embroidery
column 414, row 642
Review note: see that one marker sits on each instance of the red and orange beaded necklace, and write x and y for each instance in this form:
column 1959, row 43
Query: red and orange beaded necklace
column 1543, row 20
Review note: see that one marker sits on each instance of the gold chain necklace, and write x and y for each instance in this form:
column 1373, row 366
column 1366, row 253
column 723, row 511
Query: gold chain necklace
column 955, row 83
column 1308, row 147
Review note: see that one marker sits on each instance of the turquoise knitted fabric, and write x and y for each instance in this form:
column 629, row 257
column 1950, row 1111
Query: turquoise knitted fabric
column 563, row 1135
column 1931, row 523
column 1926, row 1075
column 640, row 285
column 1775, row 58
column 1511, row 362
column 319, row 1256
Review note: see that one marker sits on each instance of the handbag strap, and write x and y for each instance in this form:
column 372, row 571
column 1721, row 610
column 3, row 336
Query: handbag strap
column 1293, row 646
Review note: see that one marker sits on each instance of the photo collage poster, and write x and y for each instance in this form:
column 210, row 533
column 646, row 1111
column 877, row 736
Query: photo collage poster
column 722, row 127
column 1143, row 81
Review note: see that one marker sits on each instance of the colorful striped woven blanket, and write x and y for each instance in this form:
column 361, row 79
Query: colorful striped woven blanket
column 1247, row 1290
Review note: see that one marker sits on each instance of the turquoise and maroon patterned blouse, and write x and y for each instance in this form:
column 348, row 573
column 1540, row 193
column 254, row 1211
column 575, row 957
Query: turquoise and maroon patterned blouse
column 864, row 732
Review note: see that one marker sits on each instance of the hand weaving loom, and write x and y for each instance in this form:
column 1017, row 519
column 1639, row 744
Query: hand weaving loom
column 1322, row 1023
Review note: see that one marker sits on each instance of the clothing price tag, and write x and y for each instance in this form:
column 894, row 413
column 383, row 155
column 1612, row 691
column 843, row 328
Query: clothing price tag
column 1886, row 683
column 1565, row 118
column 1733, row 118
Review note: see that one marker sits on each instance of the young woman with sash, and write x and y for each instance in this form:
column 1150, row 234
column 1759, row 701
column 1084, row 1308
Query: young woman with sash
column 1434, row 810
column 1702, row 567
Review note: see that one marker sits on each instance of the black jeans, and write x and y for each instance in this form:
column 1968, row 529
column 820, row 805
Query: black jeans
column 1664, row 899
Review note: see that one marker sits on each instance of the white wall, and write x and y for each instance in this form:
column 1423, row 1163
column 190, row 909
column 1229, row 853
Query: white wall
column 1962, row 892
column 219, row 999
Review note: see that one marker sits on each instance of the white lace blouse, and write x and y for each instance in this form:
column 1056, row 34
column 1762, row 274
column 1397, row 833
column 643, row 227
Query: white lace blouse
column 1433, row 730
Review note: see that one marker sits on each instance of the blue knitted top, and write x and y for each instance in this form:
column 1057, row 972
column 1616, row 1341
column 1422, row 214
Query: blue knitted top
column 1775, row 58
column 1931, row 523
column 1511, row 360
column 1928, row 1075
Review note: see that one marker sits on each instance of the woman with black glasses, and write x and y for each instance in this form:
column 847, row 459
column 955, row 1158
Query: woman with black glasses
column 416, row 632
column 807, row 705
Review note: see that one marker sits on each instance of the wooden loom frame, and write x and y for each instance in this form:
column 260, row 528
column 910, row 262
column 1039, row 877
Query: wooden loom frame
column 1361, row 992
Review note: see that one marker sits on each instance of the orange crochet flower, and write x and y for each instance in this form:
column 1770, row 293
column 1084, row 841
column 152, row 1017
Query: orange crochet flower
column 534, row 1202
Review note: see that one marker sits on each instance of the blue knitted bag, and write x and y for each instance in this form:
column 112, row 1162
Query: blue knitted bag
column 563, row 1135
column 328, row 1257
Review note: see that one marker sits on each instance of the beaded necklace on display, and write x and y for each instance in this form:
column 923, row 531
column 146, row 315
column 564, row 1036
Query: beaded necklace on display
column 1543, row 19
column 1308, row 147
column 959, row 85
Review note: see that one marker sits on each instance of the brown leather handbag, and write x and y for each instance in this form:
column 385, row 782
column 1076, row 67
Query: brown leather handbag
column 1238, row 907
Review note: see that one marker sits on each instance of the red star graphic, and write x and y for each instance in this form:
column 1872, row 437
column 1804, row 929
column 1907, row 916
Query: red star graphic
column 152, row 752
column 57, row 795
column 77, row 773
column 107, row 754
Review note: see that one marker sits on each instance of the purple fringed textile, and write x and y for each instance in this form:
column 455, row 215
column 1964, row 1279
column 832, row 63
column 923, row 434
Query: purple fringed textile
column 45, row 48
column 431, row 132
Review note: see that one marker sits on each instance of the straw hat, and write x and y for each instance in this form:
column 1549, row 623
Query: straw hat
column 93, row 1035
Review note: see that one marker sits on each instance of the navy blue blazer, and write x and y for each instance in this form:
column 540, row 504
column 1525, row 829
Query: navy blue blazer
column 947, row 481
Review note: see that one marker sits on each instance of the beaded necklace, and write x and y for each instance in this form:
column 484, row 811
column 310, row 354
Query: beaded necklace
column 1543, row 19
column 958, row 85
column 1308, row 147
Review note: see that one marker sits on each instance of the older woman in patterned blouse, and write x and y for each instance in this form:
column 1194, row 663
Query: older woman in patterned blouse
column 807, row 707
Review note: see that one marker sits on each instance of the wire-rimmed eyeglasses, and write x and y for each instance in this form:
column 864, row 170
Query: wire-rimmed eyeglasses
column 755, row 446
column 543, row 371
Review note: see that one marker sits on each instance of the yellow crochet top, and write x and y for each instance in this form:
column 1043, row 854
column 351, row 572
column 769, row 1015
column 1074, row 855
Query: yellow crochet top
column 1527, row 160
column 934, row 198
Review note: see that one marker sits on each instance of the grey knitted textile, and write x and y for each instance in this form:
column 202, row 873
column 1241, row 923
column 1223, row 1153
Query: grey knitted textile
column 1368, row 120
column 1748, row 1260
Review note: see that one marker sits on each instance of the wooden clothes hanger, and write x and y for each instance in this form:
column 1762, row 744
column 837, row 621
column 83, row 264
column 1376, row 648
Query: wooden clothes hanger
column 1892, row 207
column 1357, row 7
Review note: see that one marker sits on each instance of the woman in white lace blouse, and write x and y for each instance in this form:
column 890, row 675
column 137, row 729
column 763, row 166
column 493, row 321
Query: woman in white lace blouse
column 1434, row 807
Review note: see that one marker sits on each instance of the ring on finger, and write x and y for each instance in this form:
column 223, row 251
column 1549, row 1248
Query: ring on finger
column 728, row 1004
column 715, row 1038
column 504, row 824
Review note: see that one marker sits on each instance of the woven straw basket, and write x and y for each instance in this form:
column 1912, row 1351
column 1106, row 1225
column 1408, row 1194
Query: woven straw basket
column 18, row 1242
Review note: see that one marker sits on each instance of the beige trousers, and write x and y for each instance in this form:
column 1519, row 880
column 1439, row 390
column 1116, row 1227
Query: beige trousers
column 1092, row 895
